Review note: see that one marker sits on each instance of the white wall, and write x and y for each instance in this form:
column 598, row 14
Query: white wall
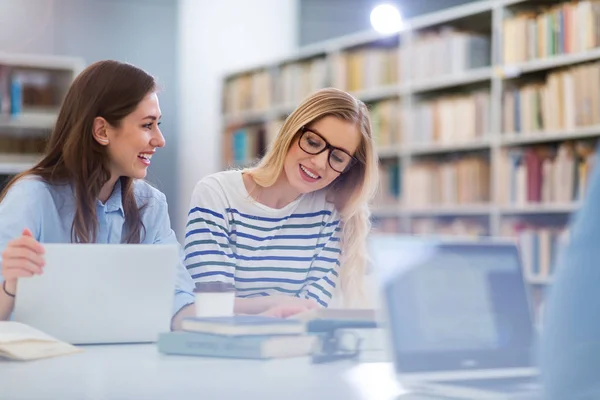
column 217, row 37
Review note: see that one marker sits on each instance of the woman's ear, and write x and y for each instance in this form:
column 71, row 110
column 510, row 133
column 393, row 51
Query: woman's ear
column 99, row 131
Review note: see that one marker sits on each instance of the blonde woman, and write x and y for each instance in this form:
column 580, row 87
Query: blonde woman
column 291, row 232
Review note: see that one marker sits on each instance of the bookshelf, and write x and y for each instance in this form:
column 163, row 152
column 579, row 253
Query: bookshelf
column 485, row 116
column 32, row 88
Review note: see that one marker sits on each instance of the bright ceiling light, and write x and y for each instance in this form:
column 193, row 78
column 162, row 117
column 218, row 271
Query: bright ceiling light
column 386, row 19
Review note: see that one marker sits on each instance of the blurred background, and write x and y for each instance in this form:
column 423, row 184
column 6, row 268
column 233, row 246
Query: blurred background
column 485, row 112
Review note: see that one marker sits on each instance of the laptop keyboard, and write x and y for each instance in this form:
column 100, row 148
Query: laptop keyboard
column 514, row 385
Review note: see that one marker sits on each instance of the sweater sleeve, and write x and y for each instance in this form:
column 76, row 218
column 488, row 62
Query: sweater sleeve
column 324, row 270
column 22, row 207
column 184, row 287
column 209, row 253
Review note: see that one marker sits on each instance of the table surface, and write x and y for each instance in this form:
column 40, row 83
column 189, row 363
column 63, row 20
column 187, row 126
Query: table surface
column 141, row 372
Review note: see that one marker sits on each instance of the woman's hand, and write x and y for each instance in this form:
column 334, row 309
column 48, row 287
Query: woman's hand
column 290, row 306
column 286, row 310
column 22, row 258
column 260, row 305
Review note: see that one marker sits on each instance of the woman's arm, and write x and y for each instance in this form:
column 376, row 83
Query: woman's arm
column 20, row 226
column 183, row 300
column 209, row 250
column 262, row 304
column 324, row 271
column 320, row 281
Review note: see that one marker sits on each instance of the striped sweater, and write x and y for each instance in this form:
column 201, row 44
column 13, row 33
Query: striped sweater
column 261, row 250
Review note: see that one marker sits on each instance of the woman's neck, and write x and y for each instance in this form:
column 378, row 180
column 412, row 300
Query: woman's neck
column 107, row 189
column 278, row 195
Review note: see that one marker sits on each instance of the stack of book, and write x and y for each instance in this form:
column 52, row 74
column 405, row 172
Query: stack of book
column 261, row 337
column 242, row 336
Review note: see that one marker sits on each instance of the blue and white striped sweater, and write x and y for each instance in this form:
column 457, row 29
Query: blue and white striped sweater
column 294, row 250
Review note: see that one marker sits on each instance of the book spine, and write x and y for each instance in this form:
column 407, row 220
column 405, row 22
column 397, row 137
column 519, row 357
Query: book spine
column 16, row 88
column 191, row 344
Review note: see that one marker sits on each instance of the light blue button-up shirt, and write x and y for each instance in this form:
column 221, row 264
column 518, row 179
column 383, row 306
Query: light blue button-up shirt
column 48, row 210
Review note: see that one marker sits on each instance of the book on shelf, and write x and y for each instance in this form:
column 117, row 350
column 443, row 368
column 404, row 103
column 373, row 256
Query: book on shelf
column 452, row 118
column 389, row 191
column 546, row 174
column 26, row 145
column 552, row 29
column 297, row 80
column 365, row 68
column 566, row 99
column 251, row 91
column 463, row 227
column 30, row 97
column 539, row 246
column 387, row 123
column 448, row 51
column 461, row 181
column 243, row 145
column 27, row 91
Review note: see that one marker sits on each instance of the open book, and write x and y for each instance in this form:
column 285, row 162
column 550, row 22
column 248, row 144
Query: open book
column 22, row 342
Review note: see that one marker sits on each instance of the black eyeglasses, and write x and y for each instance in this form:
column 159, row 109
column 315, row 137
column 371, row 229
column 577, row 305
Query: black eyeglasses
column 313, row 143
column 336, row 339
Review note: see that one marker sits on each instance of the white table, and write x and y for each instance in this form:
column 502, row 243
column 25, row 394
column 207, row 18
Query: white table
column 141, row 372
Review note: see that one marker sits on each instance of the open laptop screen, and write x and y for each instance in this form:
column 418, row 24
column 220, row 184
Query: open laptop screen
column 460, row 305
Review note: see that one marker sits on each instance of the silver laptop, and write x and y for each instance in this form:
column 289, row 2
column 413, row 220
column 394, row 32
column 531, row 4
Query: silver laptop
column 101, row 293
column 460, row 323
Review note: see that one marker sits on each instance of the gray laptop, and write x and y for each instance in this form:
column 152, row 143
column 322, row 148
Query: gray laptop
column 460, row 322
column 101, row 293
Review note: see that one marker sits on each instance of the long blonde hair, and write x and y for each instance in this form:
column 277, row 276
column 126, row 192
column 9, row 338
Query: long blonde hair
column 351, row 192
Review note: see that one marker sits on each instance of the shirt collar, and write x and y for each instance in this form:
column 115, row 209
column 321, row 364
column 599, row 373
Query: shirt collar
column 115, row 201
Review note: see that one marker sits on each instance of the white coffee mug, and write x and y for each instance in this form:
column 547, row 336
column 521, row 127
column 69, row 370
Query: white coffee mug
column 214, row 299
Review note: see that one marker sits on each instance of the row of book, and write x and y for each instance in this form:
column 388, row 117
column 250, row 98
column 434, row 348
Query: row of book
column 566, row 99
column 563, row 28
column 447, row 182
column 22, row 144
column 248, row 92
column 462, row 227
column 357, row 69
column 542, row 174
column 539, row 246
column 23, row 90
column 387, row 123
column 246, row 144
column 389, row 190
column 296, row 81
column 448, row 51
column 546, row 173
column 451, row 118
column 366, row 68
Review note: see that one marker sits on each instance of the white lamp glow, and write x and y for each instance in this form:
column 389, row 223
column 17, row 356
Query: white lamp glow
column 386, row 19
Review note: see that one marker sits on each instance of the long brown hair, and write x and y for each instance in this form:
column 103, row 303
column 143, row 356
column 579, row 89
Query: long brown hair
column 108, row 89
